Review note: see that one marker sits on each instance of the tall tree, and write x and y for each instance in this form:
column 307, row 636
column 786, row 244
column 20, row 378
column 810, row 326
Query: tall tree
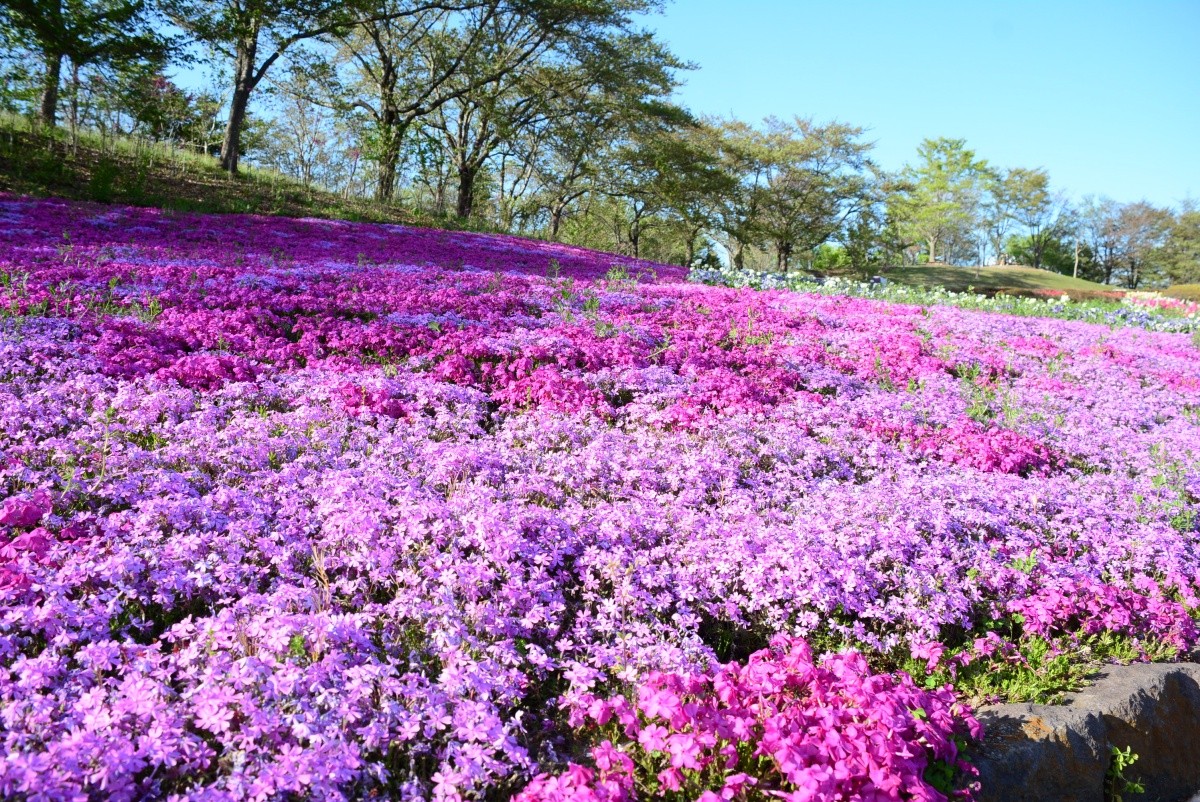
column 83, row 32
column 947, row 184
column 577, row 75
column 997, row 211
column 818, row 178
column 1182, row 248
column 255, row 34
column 1099, row 232
column 477, row 58
column 1141, row 230
column 1045, row 215
column 654, row 173
column 744, row 153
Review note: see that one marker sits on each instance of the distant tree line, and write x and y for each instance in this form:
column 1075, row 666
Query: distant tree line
column 555, row 119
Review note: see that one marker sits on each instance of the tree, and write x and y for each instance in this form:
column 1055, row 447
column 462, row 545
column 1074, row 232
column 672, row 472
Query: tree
column 477, row 59
column 997, row 211
column 873, row 240
column 576, row 75
column 1098, row 229
column 1045, row 216
column 255, row 34
column 83, row 32
column 688, row 180
column 818, row 177
column 302, row 139
column 1141, row 230
column 1056, row 253
column 947, row 185
column 745, row 154
column 157, row 108
column 1181, row 253
column 658, row 171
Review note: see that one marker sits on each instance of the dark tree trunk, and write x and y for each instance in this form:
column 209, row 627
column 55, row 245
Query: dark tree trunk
column 389, row 157
column 49, row 111
column 244, row 82
column 466, row 192
column 556, row 219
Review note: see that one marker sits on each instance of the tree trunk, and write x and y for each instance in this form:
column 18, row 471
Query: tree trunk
column 556, row 219
column 49, row 111
column 389, row 157
column 74, row 108
column 466, row 192
column 247, row 50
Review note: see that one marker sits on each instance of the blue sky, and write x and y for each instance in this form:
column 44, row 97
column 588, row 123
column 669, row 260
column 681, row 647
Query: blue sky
column 1104, row 95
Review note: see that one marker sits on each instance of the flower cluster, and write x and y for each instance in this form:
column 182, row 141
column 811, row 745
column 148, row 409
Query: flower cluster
column 311, row 509
column 782, row 725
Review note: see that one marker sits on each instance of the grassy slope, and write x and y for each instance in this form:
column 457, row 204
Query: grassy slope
column 991, row 278
column 41, row 163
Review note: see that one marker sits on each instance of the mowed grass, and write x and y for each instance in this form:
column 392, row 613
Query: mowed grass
column 991, row 279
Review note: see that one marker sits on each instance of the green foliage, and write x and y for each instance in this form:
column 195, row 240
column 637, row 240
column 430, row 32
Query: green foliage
column 1116, row 784
column 1029, row 668
column 84, row 32
column 946, row 188
column 1057, row 252
column 1181, row 251
column 829, row 258
column 102, row 183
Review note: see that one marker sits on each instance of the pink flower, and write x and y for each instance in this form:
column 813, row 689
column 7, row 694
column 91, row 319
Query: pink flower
column 671, row 779
column 35, row 543
column 930, row 652
column 653, row 737
column 24, row 511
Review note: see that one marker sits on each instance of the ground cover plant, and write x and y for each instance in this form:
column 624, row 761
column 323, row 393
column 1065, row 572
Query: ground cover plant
column 309, row 509
column 1143, row 310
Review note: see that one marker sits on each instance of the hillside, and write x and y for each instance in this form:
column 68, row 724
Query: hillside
column 40, row 163
column 992, row 278
column 352, row 511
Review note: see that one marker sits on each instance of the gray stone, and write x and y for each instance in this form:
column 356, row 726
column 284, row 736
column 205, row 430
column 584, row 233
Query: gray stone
column 1062, row 752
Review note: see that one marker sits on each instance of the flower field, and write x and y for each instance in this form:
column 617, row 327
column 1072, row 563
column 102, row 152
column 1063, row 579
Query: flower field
column 1148, row 311
column 318, row 510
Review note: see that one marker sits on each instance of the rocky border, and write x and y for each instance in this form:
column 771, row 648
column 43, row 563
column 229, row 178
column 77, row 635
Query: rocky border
column 1062, row 752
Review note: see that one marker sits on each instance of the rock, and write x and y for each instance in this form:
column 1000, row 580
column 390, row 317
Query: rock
column 1062, row 752
column 1042, row 752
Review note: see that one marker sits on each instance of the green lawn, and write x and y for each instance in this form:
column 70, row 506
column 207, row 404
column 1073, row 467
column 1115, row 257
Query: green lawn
column 991, row 278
